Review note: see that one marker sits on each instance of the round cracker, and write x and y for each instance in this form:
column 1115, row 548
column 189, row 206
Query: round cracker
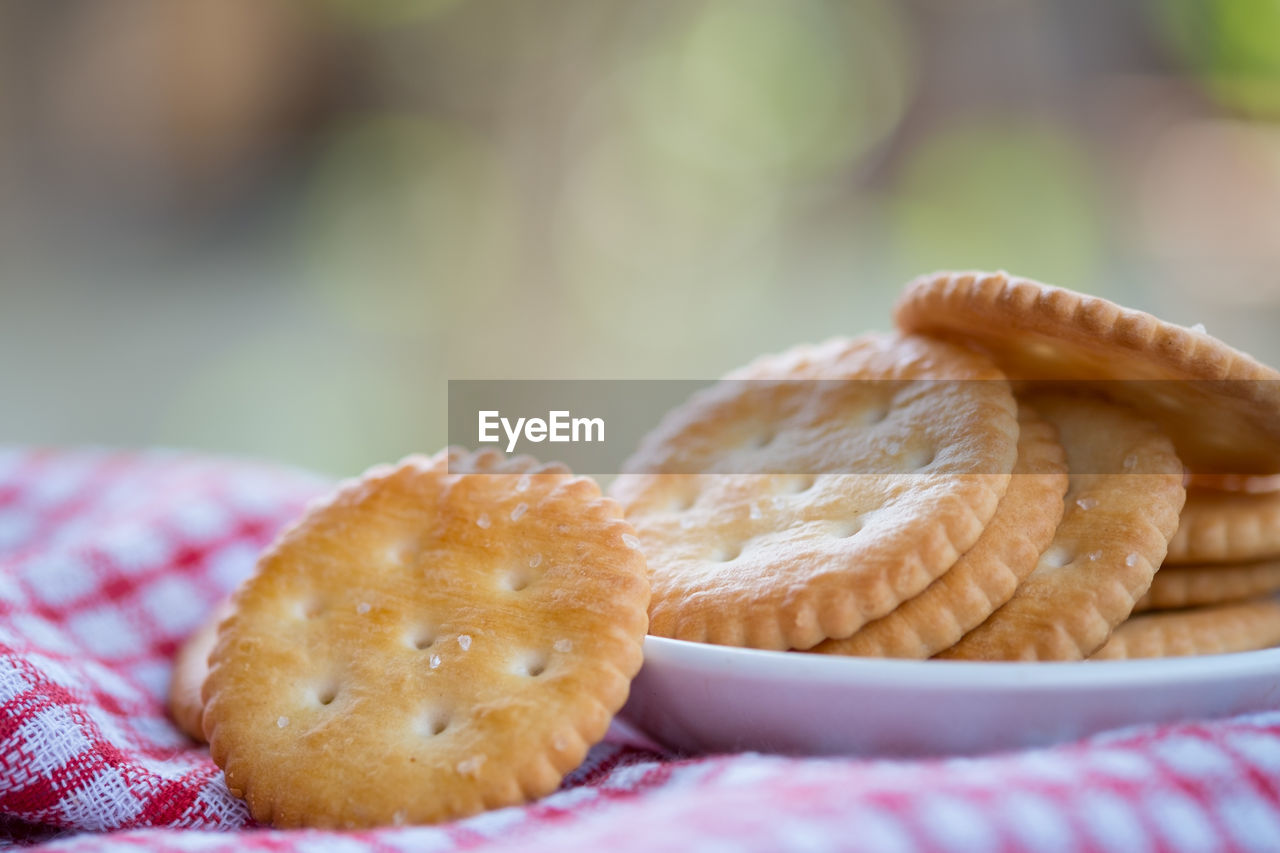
column 786, row 560
column 1241, row 627
column 1219, row 405
column 426, row 644
column 1113, row 535
column 989, row 572
column 190, row 667
column 1254, row 485
column 1226, row 527
column 1195, row 586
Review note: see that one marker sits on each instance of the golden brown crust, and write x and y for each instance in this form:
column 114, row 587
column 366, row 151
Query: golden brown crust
column 423, row 645
column 989, row 572
column 1218, row 629
column 786, row 560
column 1220, row 406
column 190, row 667
column 1113, row 535
column 1195, row 586
column 1226, row 527
column 1253, row 485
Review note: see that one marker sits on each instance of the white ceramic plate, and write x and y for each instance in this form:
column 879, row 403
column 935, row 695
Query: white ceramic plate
column 700, row 698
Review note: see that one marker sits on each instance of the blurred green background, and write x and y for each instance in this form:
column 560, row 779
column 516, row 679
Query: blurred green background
column 277, row 228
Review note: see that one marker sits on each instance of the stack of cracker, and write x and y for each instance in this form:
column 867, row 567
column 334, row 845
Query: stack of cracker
column 436, row 638
column 1001, row 479
column 1016, row 505
column 1216, row 590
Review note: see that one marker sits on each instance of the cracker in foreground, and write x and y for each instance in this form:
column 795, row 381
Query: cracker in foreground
column 989, row 572
column 787, row 558
column 190, row 667
column 426, row 644
column 1220, row 406
column 1195, row 586
column 1242, row 627
column 1120, row 510
column 1227, row 527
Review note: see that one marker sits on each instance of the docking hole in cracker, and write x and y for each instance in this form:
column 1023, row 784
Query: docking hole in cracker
column 436, row 638
column 755, row 542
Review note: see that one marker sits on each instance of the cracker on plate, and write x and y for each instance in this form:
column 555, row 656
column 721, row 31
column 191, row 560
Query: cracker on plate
column 989, row 572
column 1194, row 586
column 1121, row 508
column 815, row 490
column 1227, row 527
column 1220, row 406
column 1218, row 629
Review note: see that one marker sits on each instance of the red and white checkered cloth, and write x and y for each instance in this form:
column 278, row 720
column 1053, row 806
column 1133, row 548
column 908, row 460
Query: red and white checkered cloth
column 107, row 560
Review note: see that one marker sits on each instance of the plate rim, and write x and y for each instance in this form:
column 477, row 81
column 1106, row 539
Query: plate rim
column 948, row 676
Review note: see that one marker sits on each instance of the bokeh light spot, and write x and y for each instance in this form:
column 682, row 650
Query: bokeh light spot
column 768, row 90
column 1232, row 47
column 379, row 14
column 408, row 221
column 1021, row 197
